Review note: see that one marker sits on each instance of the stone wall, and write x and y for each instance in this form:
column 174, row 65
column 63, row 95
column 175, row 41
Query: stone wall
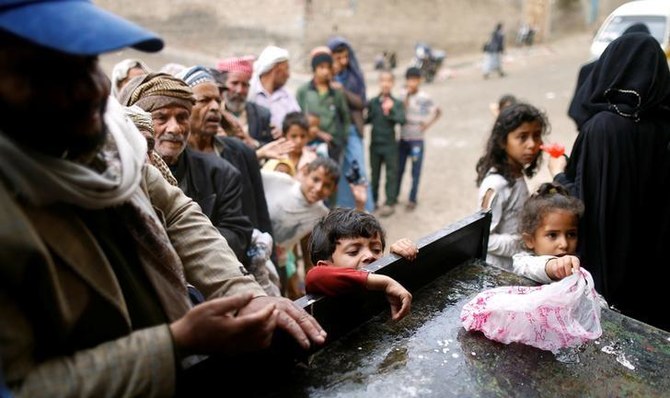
column 225, row 27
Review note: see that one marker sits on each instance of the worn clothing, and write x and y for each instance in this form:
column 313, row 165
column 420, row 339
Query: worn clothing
column 506, row 205
column 384, row 126
column 620, row 168
column 244, row 159
column 59, row 270
column 333, row 111
column 384, row 156
column 412, row 150
column 419, row 109
column 384, row 146
column 531, row 266
column 216, row 186
column 334, row 281
column 292, row 216
column 353, row 151
column 280, row 103
column 493, row 52
column 257, row 122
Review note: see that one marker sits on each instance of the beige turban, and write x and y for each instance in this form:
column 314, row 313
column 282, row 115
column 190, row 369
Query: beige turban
column 140, row 118
column 155, row 91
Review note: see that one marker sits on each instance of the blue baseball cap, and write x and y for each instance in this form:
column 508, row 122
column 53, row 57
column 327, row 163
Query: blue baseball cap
column 75, row 27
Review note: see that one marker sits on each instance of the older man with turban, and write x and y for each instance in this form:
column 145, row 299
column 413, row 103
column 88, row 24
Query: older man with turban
column 205, row 119
column 211, row 181
column 271, row 72
column 254, row 119
column 142, row 120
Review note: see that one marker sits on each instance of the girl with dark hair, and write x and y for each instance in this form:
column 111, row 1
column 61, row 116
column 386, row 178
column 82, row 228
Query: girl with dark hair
column 512, row 153
column 548, row 226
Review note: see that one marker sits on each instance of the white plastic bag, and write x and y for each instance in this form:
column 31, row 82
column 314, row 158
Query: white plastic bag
column 554, row 316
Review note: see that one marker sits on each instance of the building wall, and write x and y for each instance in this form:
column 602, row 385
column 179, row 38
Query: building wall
column 228, row 27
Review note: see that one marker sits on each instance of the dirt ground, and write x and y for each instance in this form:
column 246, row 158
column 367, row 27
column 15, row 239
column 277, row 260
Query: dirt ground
column 543, row 75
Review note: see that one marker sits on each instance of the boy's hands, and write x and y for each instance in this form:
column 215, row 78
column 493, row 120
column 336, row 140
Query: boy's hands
column 387, row 104
column 360, row 193
column 399, row 298
column 560, row 267
column 405, row 248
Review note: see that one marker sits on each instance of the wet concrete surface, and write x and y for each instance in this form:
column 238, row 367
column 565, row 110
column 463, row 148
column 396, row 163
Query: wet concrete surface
column 429, row 353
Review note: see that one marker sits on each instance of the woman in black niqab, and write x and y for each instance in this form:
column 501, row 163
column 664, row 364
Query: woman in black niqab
column 620, row 168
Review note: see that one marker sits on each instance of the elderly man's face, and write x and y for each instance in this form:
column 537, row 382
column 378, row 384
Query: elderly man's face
column 206, row 114
column 238, row 88
column 171, row 131
column 49, row 101
column 282, row 73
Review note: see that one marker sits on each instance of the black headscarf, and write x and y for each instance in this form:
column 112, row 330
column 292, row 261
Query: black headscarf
column 620, row 168
column 574, row 111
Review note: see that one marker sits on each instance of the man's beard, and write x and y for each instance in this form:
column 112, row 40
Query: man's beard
column 235, row 104
column 48, row 132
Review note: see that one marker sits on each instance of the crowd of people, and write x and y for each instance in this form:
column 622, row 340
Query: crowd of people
column 153, row 218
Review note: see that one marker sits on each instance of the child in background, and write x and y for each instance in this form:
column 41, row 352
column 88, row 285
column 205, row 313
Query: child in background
column 341, row 244
column 512, row 153
column 504, row 101
column 295, row 128
column 420, row 113
column 318, row 97
column 548, row 227
column 296, row 206
column 384, row 113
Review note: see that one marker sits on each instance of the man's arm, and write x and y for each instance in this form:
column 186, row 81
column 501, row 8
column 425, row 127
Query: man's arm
column 209, row 262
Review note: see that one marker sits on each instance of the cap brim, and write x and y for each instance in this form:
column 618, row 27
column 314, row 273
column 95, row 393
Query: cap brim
column 76, row 27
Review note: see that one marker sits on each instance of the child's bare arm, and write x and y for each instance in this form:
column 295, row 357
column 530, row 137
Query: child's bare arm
column 560, row 267
column 405, row 248
column 399, row 298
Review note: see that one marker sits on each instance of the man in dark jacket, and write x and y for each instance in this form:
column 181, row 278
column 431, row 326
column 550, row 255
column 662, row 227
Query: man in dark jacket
column 212, row 182
column 205, row 119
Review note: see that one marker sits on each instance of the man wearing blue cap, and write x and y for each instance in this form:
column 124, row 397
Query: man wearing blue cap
column 95, row 246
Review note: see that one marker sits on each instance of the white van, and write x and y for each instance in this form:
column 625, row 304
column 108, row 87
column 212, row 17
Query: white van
column 653, row 13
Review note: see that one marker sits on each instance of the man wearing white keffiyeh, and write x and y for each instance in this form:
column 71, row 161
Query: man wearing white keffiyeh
column 95, row 246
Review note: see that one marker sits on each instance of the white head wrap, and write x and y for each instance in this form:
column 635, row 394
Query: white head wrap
column 270, row 57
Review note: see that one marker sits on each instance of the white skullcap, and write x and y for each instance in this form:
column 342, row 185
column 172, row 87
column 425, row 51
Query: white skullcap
column 270, row 56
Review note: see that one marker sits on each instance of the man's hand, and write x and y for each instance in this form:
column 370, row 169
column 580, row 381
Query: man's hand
column 218, row 326
column 405, row 248
column 560, row 267
column 293, row 319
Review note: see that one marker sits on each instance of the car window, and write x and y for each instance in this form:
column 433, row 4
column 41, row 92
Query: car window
column 619, row 24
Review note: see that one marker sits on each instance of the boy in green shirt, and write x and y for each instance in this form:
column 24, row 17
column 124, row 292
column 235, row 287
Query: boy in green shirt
column 384, row 113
